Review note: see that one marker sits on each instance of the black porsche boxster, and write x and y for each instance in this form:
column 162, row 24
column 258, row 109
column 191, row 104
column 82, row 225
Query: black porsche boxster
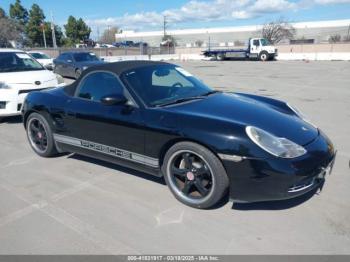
column 158, row 118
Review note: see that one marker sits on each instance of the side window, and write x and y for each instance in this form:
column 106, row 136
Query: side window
column 256, row 42
column 67, row 57
column 97, row 85
column 60, row 58
column 171, row 78
column 64, row 57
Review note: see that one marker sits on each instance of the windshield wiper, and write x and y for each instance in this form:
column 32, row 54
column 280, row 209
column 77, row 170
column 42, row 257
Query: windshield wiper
column 185, row 99
column 210, row 93
column 180, row 100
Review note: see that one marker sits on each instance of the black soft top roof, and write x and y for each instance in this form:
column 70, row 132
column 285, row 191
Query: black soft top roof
column 122, row 66
column 115, row 67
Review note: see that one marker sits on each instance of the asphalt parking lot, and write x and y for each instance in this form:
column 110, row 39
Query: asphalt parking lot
column 76, row 205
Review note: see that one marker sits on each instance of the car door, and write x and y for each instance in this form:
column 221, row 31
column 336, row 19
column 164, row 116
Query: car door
column 70, row 65
column 100, row 130
column 58, row 65
column 255, row 46
column 67, row 62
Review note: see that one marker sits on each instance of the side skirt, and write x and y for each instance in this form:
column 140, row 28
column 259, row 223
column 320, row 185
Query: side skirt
column 109, row 154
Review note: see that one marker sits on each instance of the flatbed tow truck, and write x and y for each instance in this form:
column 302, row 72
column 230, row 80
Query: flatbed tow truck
column 258, row 48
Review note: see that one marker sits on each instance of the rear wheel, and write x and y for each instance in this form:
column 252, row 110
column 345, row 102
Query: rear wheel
column 40, row 135
column 194, row 175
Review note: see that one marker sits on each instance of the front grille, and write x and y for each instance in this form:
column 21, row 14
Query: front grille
column 29, row 90
column 2, row 105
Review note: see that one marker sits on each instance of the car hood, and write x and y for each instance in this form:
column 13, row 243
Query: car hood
column 89, row 63
column 246, row 110
column 27, row 77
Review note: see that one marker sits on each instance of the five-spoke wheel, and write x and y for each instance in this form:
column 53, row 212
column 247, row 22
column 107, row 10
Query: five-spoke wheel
column 194, row 175
column 37, row 134
column 40, row 135
column 191, row 175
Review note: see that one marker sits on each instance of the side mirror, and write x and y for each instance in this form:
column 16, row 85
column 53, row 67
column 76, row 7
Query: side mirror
column 111, row 100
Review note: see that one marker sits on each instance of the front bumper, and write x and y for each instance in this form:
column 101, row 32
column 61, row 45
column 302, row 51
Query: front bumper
column 11, row 100
column 254, row 180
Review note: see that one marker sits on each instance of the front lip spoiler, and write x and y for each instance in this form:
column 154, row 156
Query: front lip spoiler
column 321, row 176
column 301, row 187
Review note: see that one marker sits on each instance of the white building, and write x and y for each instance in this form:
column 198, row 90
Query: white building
column 319, row 31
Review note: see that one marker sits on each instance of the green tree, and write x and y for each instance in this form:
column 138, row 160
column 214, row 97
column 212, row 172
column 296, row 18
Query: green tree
column 19, row 13
column 83, row 30
column 35, row 24
column 76, row 30
column 71, row 28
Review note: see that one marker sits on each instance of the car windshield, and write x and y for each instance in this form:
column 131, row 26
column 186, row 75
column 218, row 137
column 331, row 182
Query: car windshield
column 40, row 56
column 264, row 42
column 85, row 57
column 161, row 85
column 18, row 61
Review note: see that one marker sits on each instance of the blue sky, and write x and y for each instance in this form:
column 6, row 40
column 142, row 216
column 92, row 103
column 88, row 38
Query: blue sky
column 148, row 14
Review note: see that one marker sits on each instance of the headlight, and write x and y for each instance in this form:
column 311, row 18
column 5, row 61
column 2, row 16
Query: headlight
column 301, row 115
column 60, row 79
column 4, row 85
column 277, row 146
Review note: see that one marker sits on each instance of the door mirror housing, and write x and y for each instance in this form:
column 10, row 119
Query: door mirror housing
column 111, row 100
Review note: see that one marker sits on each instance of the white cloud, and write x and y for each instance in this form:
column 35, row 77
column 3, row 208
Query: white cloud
column 327, row 2
column 206, row 11
column 271, row 6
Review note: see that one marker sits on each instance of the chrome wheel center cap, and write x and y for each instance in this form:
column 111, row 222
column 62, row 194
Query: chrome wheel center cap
column 40, row 135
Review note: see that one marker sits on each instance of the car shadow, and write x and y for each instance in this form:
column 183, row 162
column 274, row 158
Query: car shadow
column 278, row 204
column 116, row 167
column 267, row 205
column 11, row 120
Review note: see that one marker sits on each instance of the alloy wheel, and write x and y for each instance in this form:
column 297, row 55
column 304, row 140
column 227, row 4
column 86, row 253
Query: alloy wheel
column 190, row 176
column 37, row 135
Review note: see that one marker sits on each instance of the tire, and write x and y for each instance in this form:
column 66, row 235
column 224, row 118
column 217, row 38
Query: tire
column 194, row 175
column 38, row 131
column 221, row 57
column 77, row 73
column 263, row 56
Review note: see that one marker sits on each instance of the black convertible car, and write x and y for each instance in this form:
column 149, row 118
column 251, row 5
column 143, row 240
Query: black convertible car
column 158, row 118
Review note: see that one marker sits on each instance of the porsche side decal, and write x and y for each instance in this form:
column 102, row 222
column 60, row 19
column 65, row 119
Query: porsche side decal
column 108, row 150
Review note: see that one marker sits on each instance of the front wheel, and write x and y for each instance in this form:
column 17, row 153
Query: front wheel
column 194, row 175
column 77, row 73
column 263, row 56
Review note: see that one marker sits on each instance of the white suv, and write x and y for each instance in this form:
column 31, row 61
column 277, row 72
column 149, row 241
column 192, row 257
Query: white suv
column 20, row 74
